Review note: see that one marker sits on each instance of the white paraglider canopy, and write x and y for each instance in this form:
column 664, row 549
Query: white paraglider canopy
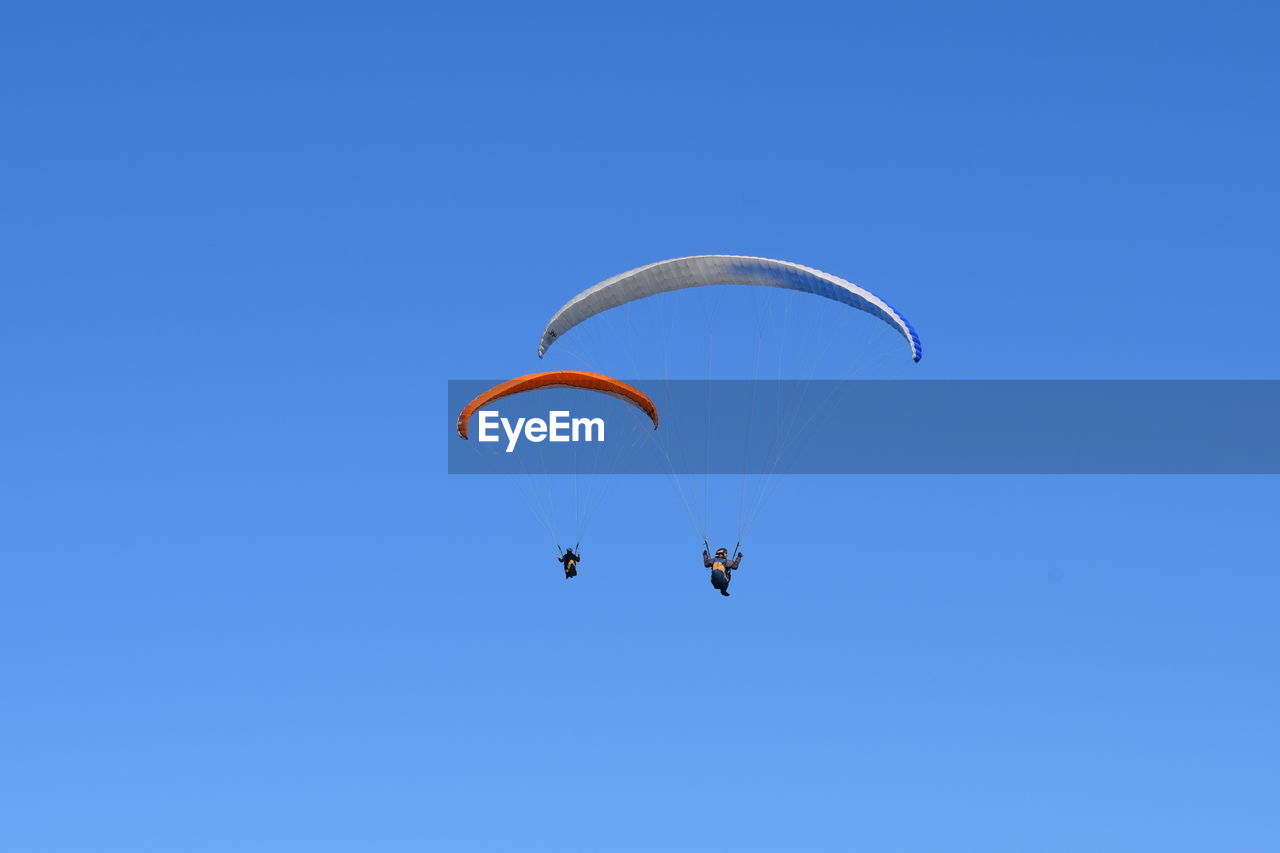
column 707, row 270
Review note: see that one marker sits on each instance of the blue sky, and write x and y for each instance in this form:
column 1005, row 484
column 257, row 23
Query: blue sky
column 244, row 608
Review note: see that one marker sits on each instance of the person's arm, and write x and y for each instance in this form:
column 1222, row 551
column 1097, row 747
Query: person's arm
column 736, row 561
column 706, row 559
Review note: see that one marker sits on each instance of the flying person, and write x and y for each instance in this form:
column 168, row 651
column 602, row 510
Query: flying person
column 570, row 559
column 720, row 566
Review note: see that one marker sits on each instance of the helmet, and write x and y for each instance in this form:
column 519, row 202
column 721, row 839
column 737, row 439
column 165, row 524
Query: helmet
column 720, row 552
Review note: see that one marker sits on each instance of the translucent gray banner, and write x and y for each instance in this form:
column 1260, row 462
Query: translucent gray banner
column 890, row 427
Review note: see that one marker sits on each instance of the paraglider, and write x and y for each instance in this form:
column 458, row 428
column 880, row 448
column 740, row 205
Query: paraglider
column 720, row 566
column 570, row 559
column 559, row 379
column 734, row 317
column 707, row 270
column 539, row 490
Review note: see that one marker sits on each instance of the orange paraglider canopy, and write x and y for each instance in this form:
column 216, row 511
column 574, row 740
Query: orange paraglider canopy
column 560, row 379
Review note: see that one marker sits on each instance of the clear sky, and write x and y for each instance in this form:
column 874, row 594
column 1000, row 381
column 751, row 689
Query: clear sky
column 243, row 247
